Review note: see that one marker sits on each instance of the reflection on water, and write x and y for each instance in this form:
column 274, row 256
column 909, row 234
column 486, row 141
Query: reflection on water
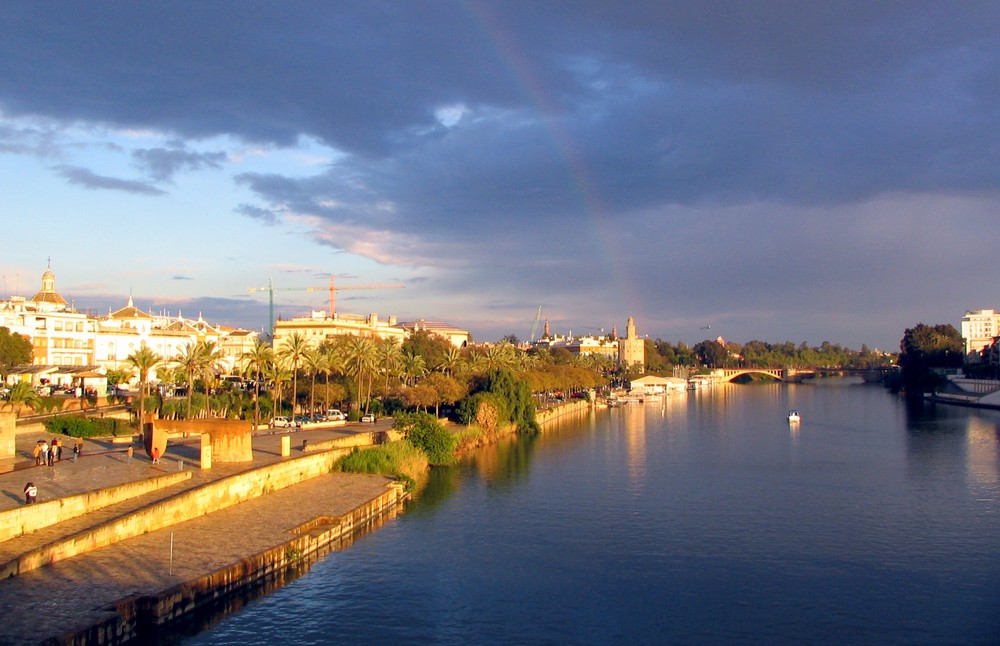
column 702, row 518
column 984, row 455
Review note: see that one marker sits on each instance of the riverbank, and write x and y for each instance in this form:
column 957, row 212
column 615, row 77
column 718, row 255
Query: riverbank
column 971, row 393
column 156, row 576
column 166, row 571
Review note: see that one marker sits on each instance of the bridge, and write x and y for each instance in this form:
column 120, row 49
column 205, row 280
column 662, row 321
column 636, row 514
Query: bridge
column 870, row 375
column 728, row 374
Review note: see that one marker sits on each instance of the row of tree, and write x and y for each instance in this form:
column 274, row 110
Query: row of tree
column 662, row 356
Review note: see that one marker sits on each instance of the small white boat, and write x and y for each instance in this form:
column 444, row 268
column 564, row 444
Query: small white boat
column 793, row 416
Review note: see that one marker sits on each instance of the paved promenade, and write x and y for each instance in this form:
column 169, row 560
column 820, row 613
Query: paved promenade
column 59, row 599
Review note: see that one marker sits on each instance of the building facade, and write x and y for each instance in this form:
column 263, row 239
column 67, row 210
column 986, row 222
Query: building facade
column 979, row 328
column 66, row 342
column 320, row 327
column 632, row 349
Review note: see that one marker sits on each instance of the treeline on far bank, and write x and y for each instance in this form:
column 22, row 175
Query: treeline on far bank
column 663, row 356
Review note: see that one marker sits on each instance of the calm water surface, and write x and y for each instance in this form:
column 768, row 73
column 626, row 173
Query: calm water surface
column 704, row 519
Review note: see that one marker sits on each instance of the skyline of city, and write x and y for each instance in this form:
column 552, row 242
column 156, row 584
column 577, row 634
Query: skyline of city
column 807, row 173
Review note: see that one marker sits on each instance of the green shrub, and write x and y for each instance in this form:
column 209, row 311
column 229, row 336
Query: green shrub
column 509, row 398
column 427, row 434
column 78, row 426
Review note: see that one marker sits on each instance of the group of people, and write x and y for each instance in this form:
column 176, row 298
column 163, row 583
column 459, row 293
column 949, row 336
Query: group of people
column 46, row 453
column 49, row 454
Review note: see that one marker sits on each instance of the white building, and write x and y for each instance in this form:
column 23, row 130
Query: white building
column 320, row 327
column 60, row 336
column 979, row 328
column 652, row 385
column 67, row 342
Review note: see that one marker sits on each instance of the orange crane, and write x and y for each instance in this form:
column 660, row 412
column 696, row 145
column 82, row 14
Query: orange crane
column 333, row 289
column 270, row 289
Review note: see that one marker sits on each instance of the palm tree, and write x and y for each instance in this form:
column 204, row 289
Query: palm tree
column 361, row 358
column 314, row 362
column 277, row 374
column 22, row 394
column 414, row 366
column 332, row 362
column 257, row 361
column 477, row 363
column 191, row 360
column 500, row 356
column 293, row 350
column 144, row 361
column 450, row 361
column 212, row 355
column 389, row 357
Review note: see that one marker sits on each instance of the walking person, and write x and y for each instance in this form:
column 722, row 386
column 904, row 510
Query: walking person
column 44, row 453
column 128, row 455
column 77, row 447
column 30, row 493
column 156, row 455
column 56, row 450
column 37, row 452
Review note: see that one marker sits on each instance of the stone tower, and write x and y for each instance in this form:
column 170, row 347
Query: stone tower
column 632, row 349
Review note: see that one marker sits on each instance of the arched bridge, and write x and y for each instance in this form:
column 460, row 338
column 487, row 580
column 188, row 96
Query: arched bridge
column 728, row 374
column 870, row 375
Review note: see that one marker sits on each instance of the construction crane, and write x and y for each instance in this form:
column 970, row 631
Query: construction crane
column 270, row 289
column 334, row 289
column 534, row 326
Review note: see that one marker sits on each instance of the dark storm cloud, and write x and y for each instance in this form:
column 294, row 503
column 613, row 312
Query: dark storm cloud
column 678, row 100
column 724, row 148
column 89, row 179
column 160, row 164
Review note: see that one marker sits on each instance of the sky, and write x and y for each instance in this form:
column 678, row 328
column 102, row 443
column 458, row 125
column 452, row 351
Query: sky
column 772, row 170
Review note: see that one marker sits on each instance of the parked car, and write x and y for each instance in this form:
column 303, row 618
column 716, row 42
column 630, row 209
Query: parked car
column 335, row 415
column 368, row 417
column 281, row 422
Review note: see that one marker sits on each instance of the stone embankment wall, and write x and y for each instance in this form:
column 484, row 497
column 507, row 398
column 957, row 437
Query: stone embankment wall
column 136, row 615
column 177, row 509
column 357, row 440
column 574, row 406
column 28, row 518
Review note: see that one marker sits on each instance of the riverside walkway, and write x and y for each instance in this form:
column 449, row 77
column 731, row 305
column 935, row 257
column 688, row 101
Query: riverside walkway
column 54, row 602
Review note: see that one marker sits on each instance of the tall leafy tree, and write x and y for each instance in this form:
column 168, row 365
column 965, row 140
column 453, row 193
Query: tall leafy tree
column 925, row 348
column 15, row 350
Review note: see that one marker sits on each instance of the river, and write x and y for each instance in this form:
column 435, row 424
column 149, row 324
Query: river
column 705, row 518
